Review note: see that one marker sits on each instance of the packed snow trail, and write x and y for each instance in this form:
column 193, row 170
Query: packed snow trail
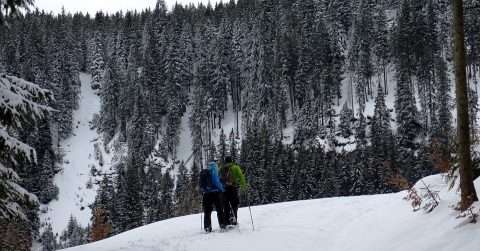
column 364, row 223
column 74, row 197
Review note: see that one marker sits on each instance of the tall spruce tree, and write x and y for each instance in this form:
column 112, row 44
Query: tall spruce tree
column 468, row 193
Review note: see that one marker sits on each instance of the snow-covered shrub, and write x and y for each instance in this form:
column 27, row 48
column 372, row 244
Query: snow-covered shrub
column 427, row 198
column 414, row 198
column 430, row 197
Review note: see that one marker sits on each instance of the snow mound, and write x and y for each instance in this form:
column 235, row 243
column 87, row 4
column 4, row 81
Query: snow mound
column 377, row 222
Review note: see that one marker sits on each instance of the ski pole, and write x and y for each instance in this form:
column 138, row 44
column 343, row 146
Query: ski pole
column 249, row 209
column 201, row 215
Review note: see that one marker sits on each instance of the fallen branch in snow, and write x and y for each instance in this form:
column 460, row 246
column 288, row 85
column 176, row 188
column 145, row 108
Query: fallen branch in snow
column 428, row 199
column 470, row 214
column 432, row 199
column 414, row 198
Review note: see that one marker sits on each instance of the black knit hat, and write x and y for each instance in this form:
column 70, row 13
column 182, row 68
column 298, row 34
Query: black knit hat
column 228, row 159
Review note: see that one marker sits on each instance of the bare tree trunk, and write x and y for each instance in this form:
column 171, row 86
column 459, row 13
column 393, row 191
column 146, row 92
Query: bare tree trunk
column 468, row 193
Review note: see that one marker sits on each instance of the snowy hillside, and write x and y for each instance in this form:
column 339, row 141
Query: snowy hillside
column 378, row 222
column 74, row 196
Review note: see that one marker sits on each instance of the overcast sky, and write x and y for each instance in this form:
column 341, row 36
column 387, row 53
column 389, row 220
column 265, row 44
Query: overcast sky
column 110, row 6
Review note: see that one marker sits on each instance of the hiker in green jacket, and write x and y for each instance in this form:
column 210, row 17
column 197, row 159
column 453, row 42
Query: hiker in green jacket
column 232, row 177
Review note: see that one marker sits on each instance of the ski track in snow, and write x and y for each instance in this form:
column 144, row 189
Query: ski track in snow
column 79, row 156
column 363, row 223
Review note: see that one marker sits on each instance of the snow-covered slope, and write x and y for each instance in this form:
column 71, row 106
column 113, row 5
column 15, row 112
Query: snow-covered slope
column 74, row 197
column 379, row 222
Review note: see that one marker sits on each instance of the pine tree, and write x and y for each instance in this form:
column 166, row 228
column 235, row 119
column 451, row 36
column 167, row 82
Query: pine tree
column 167, row 209
column 120, row 205
column 346, row 119
column 237, row 66
column 363, row 43
column 48, row 239
column 194, row 190
column 306, row 125
column 109, row 102
column 279, row 178
column 97, row 67
column 442, row 123
column 466, row 177
column 251, row 150
column 222, row 147
column 403, row 41
column 305, row 70
column 176, row 74
column 74, row 234
column 183, row 196
column 151, row 192
column 250, row 95
column 427, row 51
column 222, row 73
column 408, row 125
column 154, row 50
column 383, row 143
column 104, row 210
column 21, row 101
column 359, row 184
column 134, row 209
column 233, row 148
column 381, row 45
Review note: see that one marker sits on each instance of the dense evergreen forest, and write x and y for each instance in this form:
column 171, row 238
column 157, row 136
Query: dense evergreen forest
column 314, row 67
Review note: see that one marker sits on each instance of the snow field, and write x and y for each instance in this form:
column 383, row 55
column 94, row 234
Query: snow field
column 376, row 222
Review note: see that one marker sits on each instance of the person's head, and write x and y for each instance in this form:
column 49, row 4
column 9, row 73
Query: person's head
column 228, row 159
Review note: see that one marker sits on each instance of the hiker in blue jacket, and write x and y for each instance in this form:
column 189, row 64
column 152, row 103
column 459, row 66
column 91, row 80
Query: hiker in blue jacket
column 212, row 190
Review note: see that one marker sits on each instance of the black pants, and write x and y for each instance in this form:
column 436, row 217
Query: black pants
column 210, row 200
column 231, row 204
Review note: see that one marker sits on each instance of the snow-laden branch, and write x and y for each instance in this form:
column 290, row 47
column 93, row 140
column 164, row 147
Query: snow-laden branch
column 14, row 197
column 20, row 99
column 15, row 146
